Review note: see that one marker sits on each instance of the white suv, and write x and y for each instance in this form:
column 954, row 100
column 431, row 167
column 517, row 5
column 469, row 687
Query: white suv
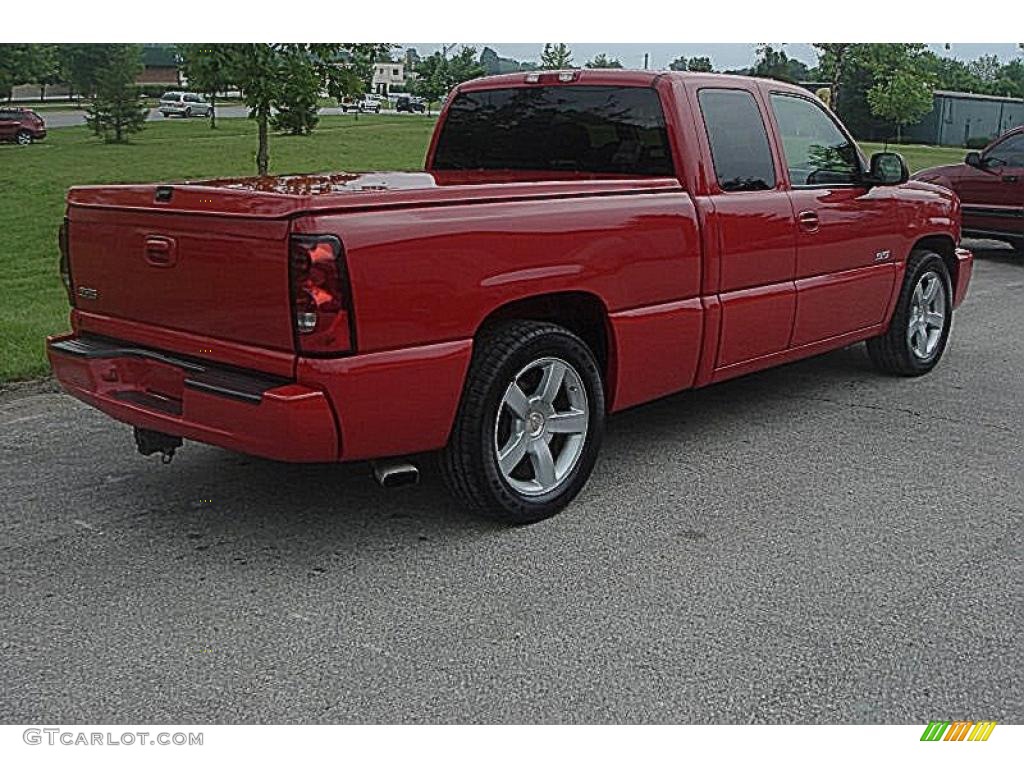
column 184, row 104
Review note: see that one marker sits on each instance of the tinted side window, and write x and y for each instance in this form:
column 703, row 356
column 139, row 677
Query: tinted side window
column 739, row 141
column 589, row 129
column 1009, row 152
column 816, row 150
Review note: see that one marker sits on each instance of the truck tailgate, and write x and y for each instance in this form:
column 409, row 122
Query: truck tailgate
column 218, row 276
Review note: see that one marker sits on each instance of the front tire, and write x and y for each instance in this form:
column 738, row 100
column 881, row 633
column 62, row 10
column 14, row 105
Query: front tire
column 529, row 425
column 920, row 325
column 24, row 138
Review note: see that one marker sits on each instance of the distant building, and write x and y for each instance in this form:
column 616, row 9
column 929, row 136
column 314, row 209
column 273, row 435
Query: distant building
column 388, row 76
column 160, row 66
column 966, row 119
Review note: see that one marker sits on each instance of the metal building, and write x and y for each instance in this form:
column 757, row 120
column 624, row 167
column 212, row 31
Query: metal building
column 959, row 119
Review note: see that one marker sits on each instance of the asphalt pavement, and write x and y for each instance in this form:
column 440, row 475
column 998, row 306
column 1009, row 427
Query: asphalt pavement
column 815, row 544
column 63, row 119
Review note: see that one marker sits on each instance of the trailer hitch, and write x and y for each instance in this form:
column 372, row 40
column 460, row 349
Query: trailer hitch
column 149, row 441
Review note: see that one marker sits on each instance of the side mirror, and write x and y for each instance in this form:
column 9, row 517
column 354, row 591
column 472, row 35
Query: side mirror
column 888, row 169
column 973, row 159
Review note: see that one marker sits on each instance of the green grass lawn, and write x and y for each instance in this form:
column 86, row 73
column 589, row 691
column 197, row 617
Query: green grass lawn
column 33, row 181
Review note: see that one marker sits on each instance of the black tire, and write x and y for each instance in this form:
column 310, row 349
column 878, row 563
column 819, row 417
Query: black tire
column 892, row 352
column 469, row 462
column 188, row 112
column 24, row 138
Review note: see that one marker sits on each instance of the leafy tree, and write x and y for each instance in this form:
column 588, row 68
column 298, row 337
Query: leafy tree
column 438, row 74
column 678, row 64
column 280, row 76
column 298, row 104
column 902, row 90
column 22, row 63
column 777, row 64
column 701, row 64
column 602, row 61
column 83, row 63
column 985, row 68
column 117, row 108
column 556, row 56
column 208, row 69
column 50, row 68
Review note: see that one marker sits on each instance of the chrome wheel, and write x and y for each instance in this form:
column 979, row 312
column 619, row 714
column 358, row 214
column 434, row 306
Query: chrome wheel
column 541, row 426
column 24, row 138
column 927, row 315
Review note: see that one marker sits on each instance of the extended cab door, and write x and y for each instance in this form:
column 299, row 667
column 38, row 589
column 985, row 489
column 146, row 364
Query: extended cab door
column 847, row 232
column 752, row 226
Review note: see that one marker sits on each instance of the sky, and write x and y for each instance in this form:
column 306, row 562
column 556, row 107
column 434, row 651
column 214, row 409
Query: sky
column 723, row 55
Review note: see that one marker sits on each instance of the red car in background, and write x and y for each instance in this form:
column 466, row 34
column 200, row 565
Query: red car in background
column 990, row 184
column 21, row 125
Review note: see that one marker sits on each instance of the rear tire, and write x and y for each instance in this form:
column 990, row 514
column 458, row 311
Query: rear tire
column 529, row 425
column 920, row 325
column 188, row 112
column 24, row 138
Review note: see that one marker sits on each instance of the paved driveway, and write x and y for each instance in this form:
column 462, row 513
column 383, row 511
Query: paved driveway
column 816, row 543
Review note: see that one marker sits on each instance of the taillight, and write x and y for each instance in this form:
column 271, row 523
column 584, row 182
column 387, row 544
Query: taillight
column 321, row 300
column 65, row 261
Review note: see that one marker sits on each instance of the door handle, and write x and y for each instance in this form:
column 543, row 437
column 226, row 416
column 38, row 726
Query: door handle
column 1009, row 179
column 160, row 251
column 809, row 220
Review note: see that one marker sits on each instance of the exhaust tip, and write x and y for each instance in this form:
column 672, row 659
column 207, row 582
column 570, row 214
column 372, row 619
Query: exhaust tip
column 393, row 474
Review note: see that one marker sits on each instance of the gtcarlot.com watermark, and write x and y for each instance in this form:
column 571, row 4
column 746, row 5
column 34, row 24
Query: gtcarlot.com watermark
column 59, row 736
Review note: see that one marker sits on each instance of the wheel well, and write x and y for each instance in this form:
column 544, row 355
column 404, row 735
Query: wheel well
column 946, row 248
column 582, row 313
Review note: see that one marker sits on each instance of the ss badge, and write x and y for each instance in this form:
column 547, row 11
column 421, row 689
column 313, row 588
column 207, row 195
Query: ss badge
column 883, row 255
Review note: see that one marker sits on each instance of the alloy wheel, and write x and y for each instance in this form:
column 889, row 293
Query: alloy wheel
column 541, row 426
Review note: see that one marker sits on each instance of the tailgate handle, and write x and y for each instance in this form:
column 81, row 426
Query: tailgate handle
column 160, row 251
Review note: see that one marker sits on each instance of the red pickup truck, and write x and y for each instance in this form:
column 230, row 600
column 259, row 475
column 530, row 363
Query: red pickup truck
column 579, row 243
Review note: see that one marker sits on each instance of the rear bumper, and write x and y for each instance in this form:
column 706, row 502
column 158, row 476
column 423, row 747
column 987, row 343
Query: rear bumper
column 964, row 270
column 240, row 410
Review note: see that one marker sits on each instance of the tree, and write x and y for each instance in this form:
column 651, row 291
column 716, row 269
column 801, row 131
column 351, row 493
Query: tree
column 678, row 64
column 438, row 74
column 556, row 56
column 901, row 92
column 832, row 60
column 777, row 65
column 20, row 63
column 701, row 64
column 117, row 108
column 602, row 61
column 280, row 76
column 298, row 105
column 985, row 68
column 83, row 63
column 207, row 66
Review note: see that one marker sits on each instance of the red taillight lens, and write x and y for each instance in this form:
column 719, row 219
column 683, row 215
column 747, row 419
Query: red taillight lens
column 65, row 261
column 320, row 295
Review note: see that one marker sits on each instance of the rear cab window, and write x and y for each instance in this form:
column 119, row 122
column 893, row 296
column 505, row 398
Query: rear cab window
column 740, row 151
column 170, row 96
column 591, row 129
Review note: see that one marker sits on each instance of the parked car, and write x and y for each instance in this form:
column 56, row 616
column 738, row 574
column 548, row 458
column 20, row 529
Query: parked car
column 21, row 125
column 410, row 104
column 990, row 184
column 607, row 251
column 184, row 104
column 367, row 103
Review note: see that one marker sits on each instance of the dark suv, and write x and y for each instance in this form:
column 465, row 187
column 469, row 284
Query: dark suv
column 21, row 125
column 409, row 104
column 990, row 184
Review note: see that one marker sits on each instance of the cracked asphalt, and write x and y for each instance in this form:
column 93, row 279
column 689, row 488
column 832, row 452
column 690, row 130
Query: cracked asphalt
column 817, row 543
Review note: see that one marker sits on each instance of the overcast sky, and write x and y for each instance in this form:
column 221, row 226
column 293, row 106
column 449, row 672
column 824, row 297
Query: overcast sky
column 723, row 55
